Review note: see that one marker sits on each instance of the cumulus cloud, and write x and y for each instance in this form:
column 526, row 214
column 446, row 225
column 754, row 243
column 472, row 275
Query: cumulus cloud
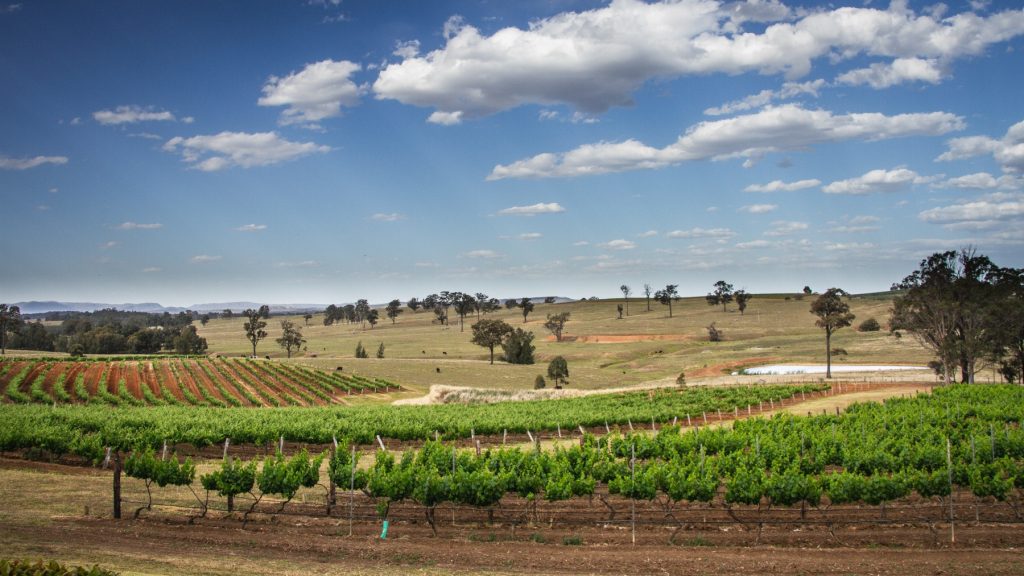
column 595, row 59
column 26, row 163
column 780, row 186
column 982, row 213
column 785, row 228
column 619, row 244
column 298, row 264
column 976, row 181
column 530, row 236
column 210, row 153
column 533, row 209
column 481, row 254
column 251, row 228
column 877, row 181
column 783, row 128
column 765, row 97
column 715, row 233
column 759, row 208
column 204, row 258
column 132, row 115
column 314, row 93
column 899, row 71
column 1007, row 151
column 753, row 244
column 391, row 217
column 647, row 234
column 138, row 226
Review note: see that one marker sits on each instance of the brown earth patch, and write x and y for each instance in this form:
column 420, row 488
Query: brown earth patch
column 131, row 377
column 727, row 367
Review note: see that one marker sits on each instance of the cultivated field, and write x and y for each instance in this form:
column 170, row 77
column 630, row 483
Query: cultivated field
column 602, row 351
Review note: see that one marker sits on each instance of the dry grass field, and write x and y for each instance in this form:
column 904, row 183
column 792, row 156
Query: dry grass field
column 602, row 351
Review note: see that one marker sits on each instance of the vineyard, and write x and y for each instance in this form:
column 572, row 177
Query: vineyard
column 905, row 462
column 86, row 430
column 178, row 381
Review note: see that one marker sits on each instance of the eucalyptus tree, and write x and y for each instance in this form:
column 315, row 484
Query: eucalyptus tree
column 832, row 314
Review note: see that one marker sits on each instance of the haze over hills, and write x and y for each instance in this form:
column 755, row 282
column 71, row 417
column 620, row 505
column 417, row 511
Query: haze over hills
column 44, row 306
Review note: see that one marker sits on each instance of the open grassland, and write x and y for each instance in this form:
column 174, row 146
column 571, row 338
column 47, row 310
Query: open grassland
column 602, row 351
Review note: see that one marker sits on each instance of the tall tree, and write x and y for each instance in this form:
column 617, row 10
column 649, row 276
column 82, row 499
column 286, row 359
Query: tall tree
column 556, row 323
column 558, row 370
column 490, row 333
column 481, row 304
column 189, row 342
column 372, row 317
column 291, row 337
column 464, row 304
column 307, row 317
column 1007, row 318
column 947, row 305
column 441, row 314
column 227, row 313
column 430, row 301
column 413, row 304
column 265, row 312
column 742, row 297
column 393, row 309
column 204, row 319
column 511, row 303
column 667, row 296
column 332, row 314
column 626, row 291
column 10, row 320
column 362, row 311
column 647, row 293
column 254, row 328
column 722, row 294
column 526, row 307
column 832, row 314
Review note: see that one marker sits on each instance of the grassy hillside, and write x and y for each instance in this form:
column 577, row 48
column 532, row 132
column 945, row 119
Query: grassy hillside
column 602, row 350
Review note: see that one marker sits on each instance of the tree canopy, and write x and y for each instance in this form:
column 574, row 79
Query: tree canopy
column 832, row 314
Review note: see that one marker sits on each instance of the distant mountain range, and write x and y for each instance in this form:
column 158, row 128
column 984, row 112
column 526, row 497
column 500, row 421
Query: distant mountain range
column 42, row 307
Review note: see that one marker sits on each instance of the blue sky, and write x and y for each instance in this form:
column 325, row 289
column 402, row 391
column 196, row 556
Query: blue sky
column 276, row 151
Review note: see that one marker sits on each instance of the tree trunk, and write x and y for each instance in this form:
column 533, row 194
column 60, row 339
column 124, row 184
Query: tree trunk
column 828, row 353
column 492, row 354
column 231, row 503
column 669, row 308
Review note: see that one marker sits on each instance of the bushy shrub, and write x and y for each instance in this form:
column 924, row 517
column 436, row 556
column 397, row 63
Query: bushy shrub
column 869, row 325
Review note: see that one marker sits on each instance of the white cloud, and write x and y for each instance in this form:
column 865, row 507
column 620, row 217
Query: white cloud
column 313, row 94
column 785, row 227
column 619, row 244
column 226, row 149
column 976, row 181
column 780, row 186
column 765, row 97
column 716, row 233
column 108, row 245
column 203, row 258
column 782, row 128
column 595, row 59
column 137, row 226
column 541, row 208
column 647, row 234
column 899, row 71
column 410, row 49
column 581, row 243
column 530, row 236
column 1008, row 151
column 848, row 246
column 877, row 181
column 251, row 228
column 759, row 208
column 26, row 163
column 753, row 244
column 42, row 207
column 132, row 115
column 152, row 269
column 392, row 217
column 978, row 214
column 481, row 254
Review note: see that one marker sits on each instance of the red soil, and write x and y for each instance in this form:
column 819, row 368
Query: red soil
column 199, row 374
column 233, row 369
column 147, row 377
column 187, row 380
column 170, row 382
column 92, row 377
column 719, row 369
column 131, row 377
column 26, row 384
